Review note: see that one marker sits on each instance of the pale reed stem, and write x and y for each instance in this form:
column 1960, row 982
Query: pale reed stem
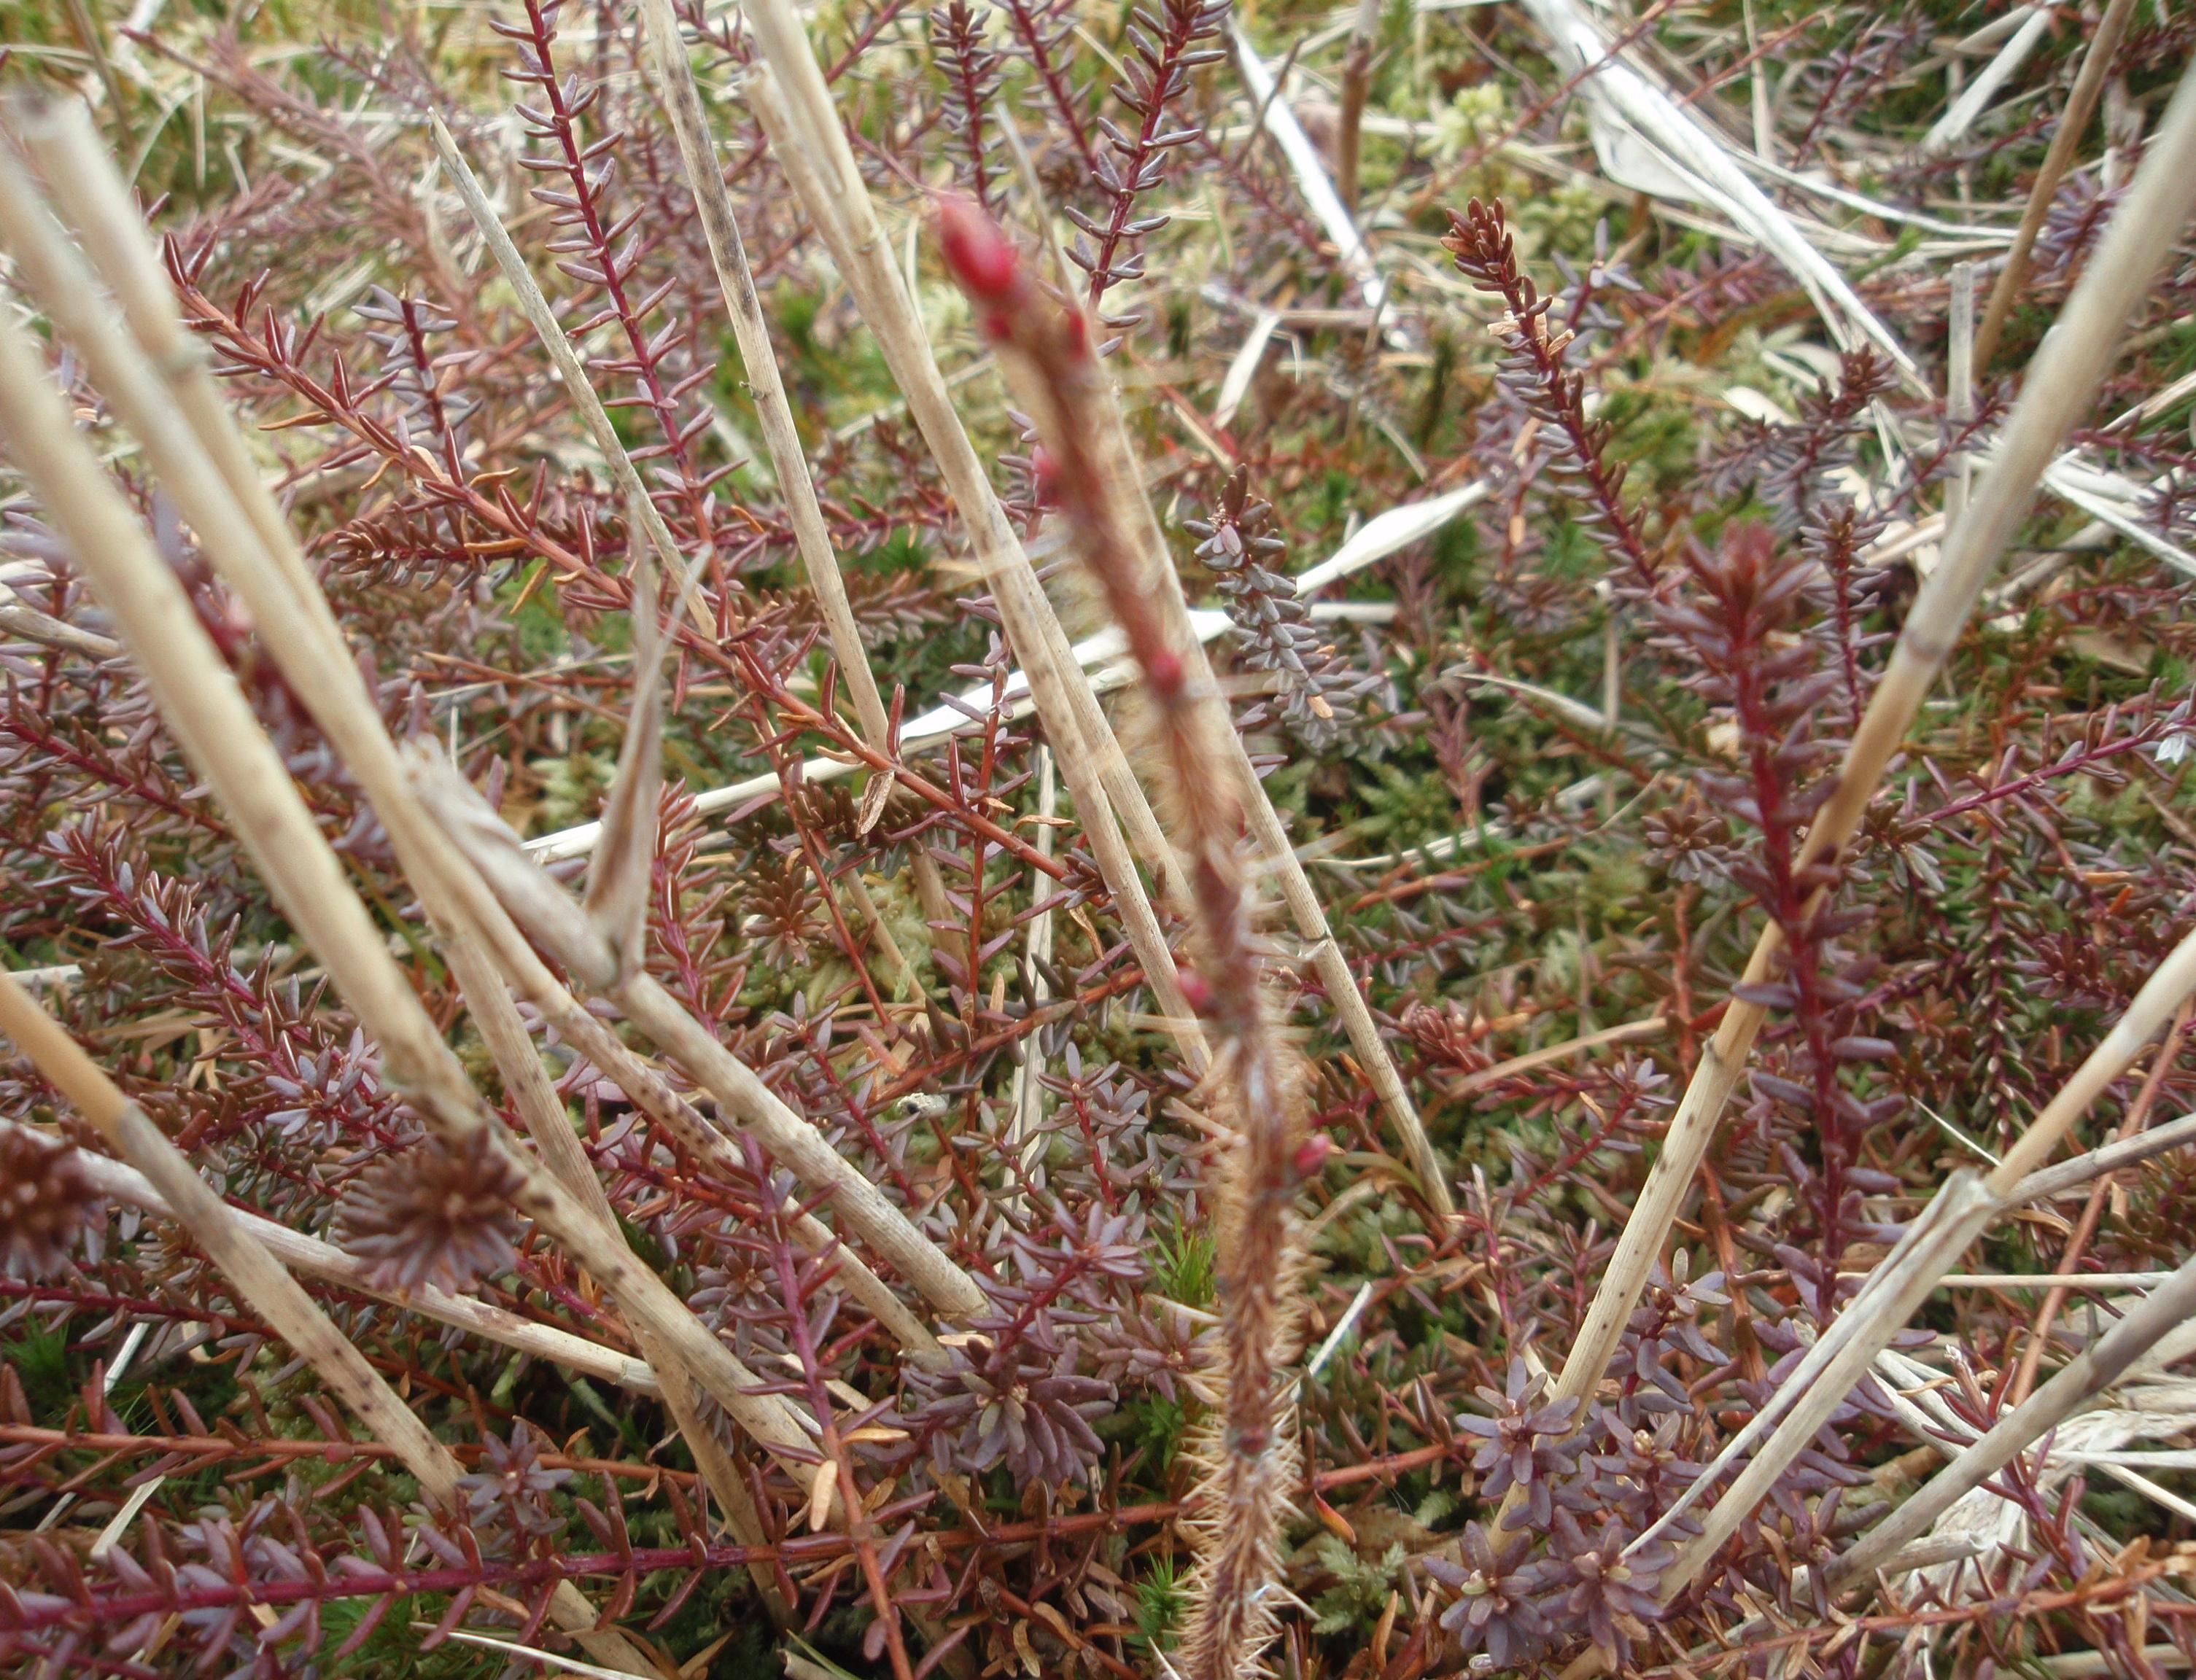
column 211, row 720
column 263, row 1283
column 246, row 535
column 2059, row 387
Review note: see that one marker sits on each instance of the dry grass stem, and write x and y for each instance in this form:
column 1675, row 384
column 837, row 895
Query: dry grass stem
column 2096, row 1368
column 1300, row 948
column 2070, row 1175
column 565, row 1016
column 201, row 703
column 758, row 357
column 551, row 916
column 287, row 605
column 1309, row 171
column 1929, row 1250
column 1276, row 852
column 2033, row 26
column 811, row 149
column 2066, row 139
column 33, row 625
column 264, row 1284
column 528, row 1088
column 1029, row 1075
column 1626, row 100
column 1960, row 384
column 1057, row 682
column 1356, row 87
column 2059, row 387
column 1385, row 534
column 622, row 868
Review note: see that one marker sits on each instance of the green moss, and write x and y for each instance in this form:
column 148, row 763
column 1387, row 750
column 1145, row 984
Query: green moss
column 1183, row 1265
column 1161, row 1602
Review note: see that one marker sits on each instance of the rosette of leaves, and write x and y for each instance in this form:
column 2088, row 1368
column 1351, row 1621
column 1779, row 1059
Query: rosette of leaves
column 1591, row 1582
column 509, row 1496
column 1494, row 1607
column 1524, row 1444
column 1017, row 1399
column 433, row 1215
column 46, row 1201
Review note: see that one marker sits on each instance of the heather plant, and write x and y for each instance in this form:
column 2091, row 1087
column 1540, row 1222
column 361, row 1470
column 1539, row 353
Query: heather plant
column 1152, row 840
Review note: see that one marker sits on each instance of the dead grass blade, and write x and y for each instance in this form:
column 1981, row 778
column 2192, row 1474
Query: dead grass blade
column 209, row 718
column 2060, row 385
column 1627, row 103
column 263, row 1283
column 530, row 1091
column 1930, row 1248
column 2096, row 1368
column 808, row 148
column 622, row 870
column 2073, row 124
column 550, row 916
column 253, row 544
column 690, row 123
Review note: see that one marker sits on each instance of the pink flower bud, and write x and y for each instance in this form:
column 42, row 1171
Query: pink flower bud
column 1044, row 469
column 977, row 250
column 1311, row 1156
column 1196, row 989
column 1164, row 671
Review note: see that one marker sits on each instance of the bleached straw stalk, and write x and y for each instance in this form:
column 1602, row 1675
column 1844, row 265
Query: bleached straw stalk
column 528, row 1090
column 1080, row 737
column 572, row 372
column 2056, row 1181
column 2060, row 385
column 184, row 421
column 1949, row 129
column 563, row 1014
column 1255, row 1087
column 2065, row 140
column 46, row 630
column 1904, row 1279
column 2096, row 1368
column 1626, row 101
column 209, row 717
column 837, row 199
column 551, row 916
column 796, row 109
column 262, row 1283
column 1307, row 168
column 115, row 1181
column 690, row 123
column 1930, row 1247
column 2170, row 985
column 1023, row 1137
column 1384, row 534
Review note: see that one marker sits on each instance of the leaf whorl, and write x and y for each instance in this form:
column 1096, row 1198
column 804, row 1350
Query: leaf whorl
column 433, row 1215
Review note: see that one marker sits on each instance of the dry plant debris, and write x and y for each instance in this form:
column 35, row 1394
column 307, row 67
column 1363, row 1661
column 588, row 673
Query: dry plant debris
column 1025, row 838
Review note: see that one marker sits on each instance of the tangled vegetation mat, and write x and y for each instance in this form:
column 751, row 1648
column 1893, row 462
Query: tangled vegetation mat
column 1096, row 839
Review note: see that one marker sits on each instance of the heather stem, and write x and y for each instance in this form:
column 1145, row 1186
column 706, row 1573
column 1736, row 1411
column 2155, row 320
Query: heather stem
column 1048, row 358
